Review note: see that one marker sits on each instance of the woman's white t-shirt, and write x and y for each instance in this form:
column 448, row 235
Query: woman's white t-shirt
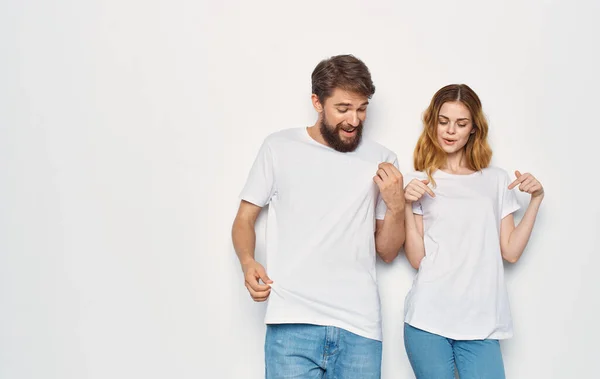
column 459, row 290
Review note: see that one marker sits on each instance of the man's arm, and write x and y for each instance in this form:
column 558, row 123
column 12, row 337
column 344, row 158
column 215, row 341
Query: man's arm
column 389, row 236
column 244, row 242
column 389, row 233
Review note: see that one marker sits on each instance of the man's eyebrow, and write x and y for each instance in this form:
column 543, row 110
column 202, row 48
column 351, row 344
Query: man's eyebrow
column 349, row 105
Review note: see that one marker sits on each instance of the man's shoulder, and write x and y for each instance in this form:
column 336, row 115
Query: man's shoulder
column 283, row 135
column 293, row 133
column 376, row 149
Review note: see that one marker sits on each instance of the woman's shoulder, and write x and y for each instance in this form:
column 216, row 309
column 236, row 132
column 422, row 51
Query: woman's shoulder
column 498, row 174
column 495, row 171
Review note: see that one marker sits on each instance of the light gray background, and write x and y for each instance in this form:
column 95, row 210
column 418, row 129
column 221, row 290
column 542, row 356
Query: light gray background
column 127, row 129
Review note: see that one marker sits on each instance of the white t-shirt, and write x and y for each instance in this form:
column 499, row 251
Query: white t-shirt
column 320, row 243
column 459, row 290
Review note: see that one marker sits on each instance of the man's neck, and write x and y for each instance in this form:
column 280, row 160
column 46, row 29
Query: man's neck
column 315, row 133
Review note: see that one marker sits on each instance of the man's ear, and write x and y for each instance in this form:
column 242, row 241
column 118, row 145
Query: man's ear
column 316, row 103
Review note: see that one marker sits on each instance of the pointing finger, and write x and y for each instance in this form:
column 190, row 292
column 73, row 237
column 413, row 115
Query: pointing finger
column 427, row 189
column 519, row 179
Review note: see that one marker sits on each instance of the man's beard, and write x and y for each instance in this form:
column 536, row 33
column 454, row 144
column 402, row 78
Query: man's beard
column 332, row 136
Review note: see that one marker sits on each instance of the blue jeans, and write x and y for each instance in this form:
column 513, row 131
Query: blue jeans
column 435, row 357
column 311, row 351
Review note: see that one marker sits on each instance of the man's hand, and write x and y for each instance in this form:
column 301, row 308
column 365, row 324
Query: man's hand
column 253, row 272
column 391, row 184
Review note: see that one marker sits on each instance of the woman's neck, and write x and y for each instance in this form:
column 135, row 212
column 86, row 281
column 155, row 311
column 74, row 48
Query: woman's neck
column 456, row 163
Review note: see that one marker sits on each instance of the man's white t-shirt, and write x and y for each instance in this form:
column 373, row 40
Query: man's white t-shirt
column 320, row 244
column 459, row 290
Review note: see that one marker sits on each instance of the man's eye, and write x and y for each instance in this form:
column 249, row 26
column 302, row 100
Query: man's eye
column 362, row 109
column 342, row 110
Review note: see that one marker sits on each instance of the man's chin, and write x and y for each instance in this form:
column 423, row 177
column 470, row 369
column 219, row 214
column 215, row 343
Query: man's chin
column 350, row 144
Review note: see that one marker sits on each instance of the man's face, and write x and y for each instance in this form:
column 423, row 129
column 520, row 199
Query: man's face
column 342, row 119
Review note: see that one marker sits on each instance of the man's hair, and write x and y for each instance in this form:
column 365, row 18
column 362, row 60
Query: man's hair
column 341, row 71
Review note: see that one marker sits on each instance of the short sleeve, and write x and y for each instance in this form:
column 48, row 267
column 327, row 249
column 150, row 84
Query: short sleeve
column 509, row 198
column 417, row 208
column 260, row 184
column 381, row 208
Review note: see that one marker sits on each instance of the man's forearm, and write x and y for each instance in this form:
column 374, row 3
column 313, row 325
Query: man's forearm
column 244, row 240
column 390, row 236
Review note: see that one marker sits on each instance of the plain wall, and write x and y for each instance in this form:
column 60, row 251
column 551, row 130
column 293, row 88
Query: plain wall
column 127, row 129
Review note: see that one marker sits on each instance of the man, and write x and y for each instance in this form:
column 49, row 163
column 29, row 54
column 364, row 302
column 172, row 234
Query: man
column 335, row 199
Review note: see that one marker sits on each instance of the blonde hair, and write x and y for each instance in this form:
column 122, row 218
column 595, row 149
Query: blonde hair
column 429, row 155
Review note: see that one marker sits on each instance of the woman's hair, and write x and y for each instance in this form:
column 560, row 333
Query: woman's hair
column 429, row 156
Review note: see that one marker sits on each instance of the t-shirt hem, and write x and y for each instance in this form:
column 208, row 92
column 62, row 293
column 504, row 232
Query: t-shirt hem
column 461, row 337
column 337, row 324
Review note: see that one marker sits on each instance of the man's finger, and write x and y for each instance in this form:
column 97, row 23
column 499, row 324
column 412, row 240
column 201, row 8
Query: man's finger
column 382, row 174
column 378, row 181
column 263, row 276
column 257, row 293
column 253, row 282
column 391, row 170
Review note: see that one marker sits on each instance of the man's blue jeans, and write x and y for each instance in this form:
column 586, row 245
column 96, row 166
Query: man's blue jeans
column 435, row 357
column 310, row 351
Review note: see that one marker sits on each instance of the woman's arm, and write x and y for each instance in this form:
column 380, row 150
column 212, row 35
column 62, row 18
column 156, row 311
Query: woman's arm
column 513, row 240
column 414, row 247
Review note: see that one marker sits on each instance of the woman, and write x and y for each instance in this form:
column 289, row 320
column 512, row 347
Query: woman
column 459, row 227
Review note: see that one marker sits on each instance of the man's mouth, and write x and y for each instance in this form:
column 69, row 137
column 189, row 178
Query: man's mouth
column 349, row 130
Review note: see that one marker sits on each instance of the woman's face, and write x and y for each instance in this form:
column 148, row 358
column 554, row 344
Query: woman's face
column 454, row 126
